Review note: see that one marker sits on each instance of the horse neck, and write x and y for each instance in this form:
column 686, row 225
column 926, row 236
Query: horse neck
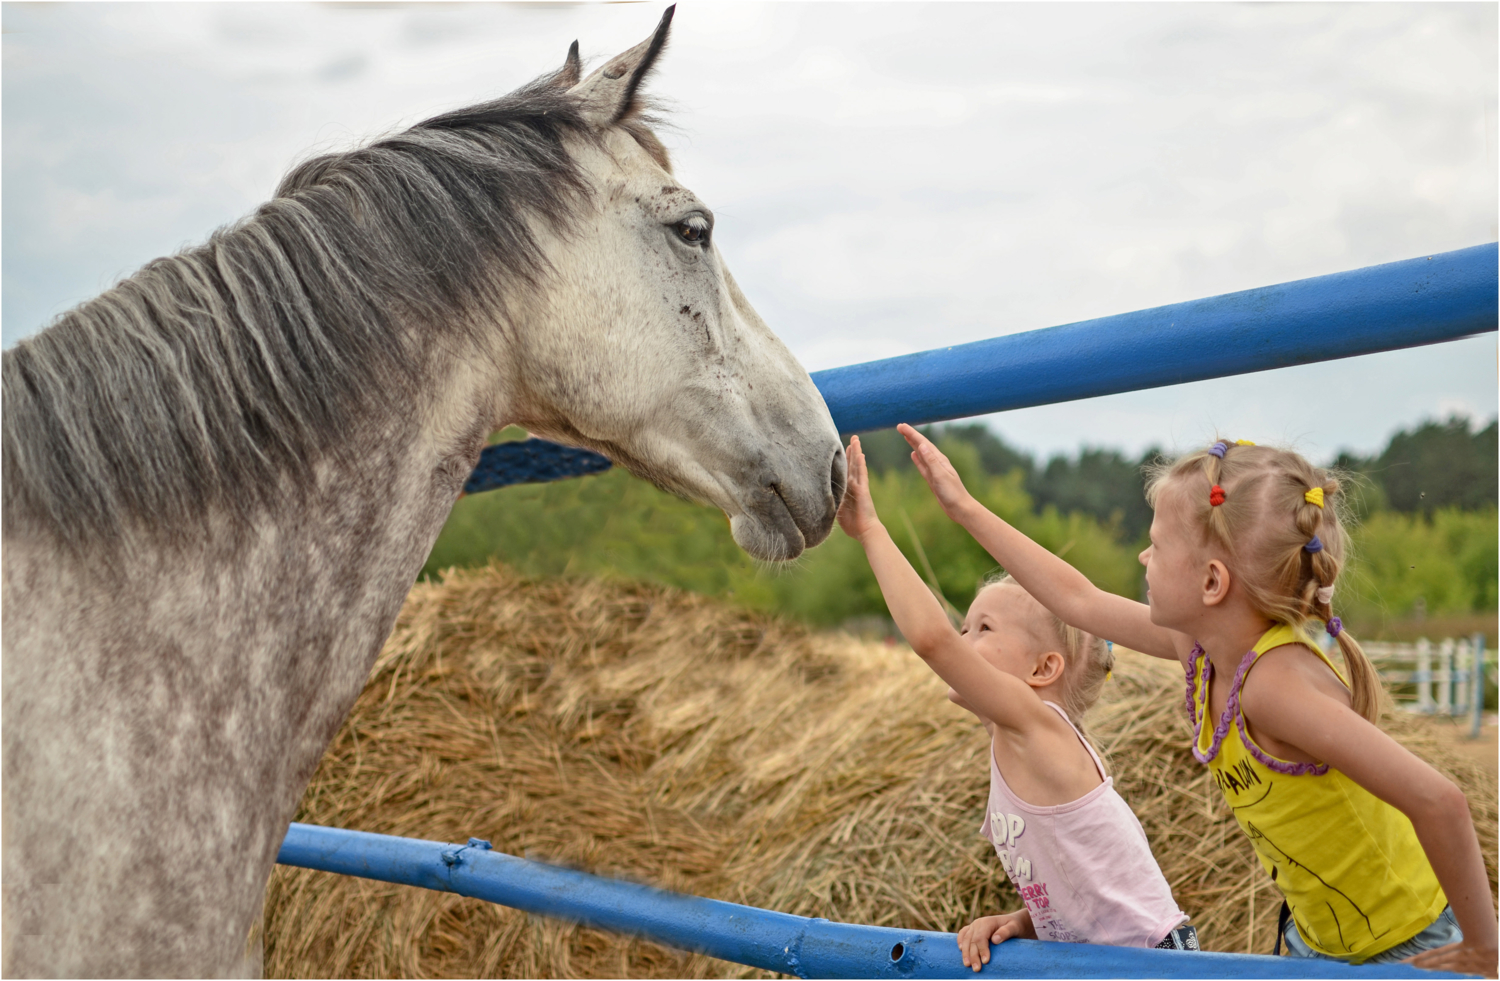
column 235, row 661
column 321, row 582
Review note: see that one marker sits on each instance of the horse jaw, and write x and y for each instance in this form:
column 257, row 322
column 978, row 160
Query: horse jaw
column 644, row 349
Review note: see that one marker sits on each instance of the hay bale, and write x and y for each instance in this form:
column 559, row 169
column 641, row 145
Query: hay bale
column 650, row 734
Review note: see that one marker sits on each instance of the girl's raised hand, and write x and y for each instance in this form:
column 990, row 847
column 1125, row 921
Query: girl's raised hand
column 945, row 482
column 857, row 512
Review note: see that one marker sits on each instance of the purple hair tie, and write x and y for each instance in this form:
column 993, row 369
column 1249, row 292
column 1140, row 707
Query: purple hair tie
column 1218, row 449
column 1335, row 627
column 1314, row 546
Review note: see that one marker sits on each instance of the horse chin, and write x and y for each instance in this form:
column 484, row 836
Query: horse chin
column 768, row 529
column 774, row 543
column 771, row 536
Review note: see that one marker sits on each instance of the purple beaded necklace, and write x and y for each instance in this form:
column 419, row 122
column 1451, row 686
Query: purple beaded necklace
column 1232, row 713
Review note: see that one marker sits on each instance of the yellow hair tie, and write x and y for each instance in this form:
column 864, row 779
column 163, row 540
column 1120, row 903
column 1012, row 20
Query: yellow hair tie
column 1314, row 496
column 1243, row 442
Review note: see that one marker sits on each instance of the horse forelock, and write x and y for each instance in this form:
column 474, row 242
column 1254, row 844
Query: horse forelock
column 216, row 380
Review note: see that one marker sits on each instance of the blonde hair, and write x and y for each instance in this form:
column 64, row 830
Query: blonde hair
column 1264, row 523
column 1087, row 660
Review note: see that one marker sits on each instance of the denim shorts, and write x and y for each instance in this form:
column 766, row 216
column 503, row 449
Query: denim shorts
column 1439, row 933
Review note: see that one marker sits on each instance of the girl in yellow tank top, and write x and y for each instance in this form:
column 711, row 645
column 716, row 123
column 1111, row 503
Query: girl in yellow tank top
column 1373, row 849
column 1353, row 893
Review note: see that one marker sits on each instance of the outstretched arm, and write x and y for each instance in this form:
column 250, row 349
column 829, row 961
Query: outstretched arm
column 1055, row 584
column 985, row 690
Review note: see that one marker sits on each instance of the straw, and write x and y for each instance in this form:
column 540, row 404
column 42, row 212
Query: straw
column 635, row 731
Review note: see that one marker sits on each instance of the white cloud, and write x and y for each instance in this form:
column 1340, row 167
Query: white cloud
column 888, row 177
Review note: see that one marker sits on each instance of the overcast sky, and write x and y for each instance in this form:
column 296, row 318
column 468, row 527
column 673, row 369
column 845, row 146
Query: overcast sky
column 887, row 178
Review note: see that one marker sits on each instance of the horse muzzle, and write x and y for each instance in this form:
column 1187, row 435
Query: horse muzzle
column 783, row 516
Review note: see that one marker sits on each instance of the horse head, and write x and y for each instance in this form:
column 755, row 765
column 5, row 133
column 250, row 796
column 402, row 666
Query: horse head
column 643, row 348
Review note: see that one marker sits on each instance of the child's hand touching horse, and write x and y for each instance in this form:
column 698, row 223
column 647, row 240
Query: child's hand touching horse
column 857, row 512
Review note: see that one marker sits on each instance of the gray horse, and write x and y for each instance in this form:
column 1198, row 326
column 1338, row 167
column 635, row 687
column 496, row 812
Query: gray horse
column 223, row 475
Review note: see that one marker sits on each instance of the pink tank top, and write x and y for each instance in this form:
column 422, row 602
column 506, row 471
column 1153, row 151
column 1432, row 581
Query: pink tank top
column 1084, row 868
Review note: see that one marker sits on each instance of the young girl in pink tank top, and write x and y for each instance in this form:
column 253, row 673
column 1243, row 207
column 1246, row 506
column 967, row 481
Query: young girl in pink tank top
column 1067, row 840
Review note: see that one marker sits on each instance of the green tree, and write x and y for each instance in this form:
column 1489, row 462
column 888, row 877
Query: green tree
column 1440, row 563
column 1439, row 558
column 1433, row 466
column 1102, row 483
column 886, row 449
column 995, row 455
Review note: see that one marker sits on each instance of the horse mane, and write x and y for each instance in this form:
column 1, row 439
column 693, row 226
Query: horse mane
column 215, row 380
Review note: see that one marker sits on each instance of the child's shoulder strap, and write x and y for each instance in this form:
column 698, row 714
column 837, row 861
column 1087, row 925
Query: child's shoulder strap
column 1098, row 763
column 1285, row 633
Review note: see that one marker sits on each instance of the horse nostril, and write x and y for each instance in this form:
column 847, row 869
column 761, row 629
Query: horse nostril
column 838, row 476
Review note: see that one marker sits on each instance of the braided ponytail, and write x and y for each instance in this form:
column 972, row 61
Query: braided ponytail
column 1366, row 692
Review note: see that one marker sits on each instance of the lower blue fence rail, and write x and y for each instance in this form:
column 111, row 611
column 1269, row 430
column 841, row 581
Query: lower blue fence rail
column 796, row 945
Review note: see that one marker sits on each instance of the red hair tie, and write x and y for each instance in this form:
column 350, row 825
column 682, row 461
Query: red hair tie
column 1215, row 496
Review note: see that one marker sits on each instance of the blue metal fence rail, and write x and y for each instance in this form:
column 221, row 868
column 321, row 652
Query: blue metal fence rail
column 796, row 945
column 1380, row 308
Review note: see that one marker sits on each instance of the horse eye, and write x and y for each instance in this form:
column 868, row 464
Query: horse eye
column 693, row 230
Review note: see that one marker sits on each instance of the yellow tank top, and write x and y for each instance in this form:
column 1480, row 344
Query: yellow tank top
column 1349, row 864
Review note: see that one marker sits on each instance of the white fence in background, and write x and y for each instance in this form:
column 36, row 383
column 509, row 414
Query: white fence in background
column 1446, row 677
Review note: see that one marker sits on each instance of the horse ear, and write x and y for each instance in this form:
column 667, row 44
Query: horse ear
column 608, row 95
column 567, row 76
